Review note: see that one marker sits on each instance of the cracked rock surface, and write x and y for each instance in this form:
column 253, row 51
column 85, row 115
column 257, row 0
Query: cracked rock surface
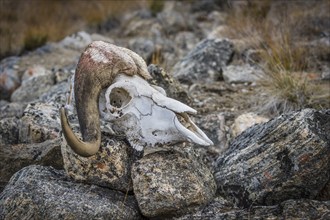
column 285, row 158
column 171, row 183
column 39, row 192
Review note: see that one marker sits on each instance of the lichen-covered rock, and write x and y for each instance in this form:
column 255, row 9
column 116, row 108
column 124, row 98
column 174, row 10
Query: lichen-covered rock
column 241, row 74
column 220, row 208
column 37, row 192
column 40, row 122
column 9, row 131
column 14, row 157
column 285, row 158
column 205, row 62
column 171, row 183
column 109, row 167
column 12, row 109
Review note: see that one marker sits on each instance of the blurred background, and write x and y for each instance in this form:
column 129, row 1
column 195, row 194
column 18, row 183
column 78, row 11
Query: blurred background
column 290, row 40
column 28, row 24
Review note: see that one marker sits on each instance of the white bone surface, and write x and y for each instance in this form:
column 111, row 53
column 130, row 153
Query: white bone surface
column 147, row 117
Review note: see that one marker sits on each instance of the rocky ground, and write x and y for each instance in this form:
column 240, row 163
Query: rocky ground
column 277, row 169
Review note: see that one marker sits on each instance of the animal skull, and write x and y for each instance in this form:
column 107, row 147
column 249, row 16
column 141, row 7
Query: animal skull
column 142, row 112
column 147, row 117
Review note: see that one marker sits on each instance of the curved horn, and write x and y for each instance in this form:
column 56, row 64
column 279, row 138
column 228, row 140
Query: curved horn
column 96, row 69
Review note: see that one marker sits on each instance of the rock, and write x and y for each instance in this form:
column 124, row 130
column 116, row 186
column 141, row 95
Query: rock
column 170, row 183
column 325, row 73
column 137, row 26
column 47, row 153
column 38, row 192
column 9, row 77
column 33, row 87
column 173, row 21
column 186, row 40
column 77, row 41
column 171, row 86
column 285, row 158
column 246, row 120
column 241, row 74
column 12, row 109
column 110, row 167
column 214, row 127
column 35, row 71
column 144, row 47
column 220, row 208
column 205, row 62
column 40, row 122
column 9, row 131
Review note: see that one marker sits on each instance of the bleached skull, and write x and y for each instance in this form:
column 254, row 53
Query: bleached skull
column 147, row 117
column 142, row 112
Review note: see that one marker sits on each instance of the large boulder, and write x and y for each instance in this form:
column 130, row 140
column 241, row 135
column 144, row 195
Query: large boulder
column 168, row 183
column 38, row 192
column 15, row 157
column 205, row 62
column 285, row 158
column 110, row 167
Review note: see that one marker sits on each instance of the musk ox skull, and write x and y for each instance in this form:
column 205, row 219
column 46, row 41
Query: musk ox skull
column 147, row 117
column 142, row 112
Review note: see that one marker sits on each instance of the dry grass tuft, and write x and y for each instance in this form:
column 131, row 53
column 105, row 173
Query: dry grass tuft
column 279, row 32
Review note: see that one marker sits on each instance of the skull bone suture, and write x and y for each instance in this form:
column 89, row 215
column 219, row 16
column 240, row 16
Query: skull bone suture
column 147, row 117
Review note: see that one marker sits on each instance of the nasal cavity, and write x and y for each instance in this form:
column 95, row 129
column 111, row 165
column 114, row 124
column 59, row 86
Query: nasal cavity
column 119, row 97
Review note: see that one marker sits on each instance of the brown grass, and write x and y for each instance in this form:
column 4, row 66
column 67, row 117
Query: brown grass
column 25, row 25
column 280, row 35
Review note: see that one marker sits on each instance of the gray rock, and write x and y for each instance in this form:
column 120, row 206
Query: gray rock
column 205, row 62
column 285, row 158
column 144, row 47
column 15, row 157
column 170, row 183
column 246, row 120
column 241, row 74
column 110, row 167
column 77, row 41
column 9, row 131
column 325, row 73
column 173, row 21
column 40, row 122
column 220, row 208
column 12, row 109
column 171, row 86
column 9, row 77
column 32, row 88
column 37, row 192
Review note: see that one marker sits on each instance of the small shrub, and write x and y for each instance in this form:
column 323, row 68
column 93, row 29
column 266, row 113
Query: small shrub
column 286, row 60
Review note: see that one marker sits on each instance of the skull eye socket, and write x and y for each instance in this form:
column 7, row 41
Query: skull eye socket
column 119, row 97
